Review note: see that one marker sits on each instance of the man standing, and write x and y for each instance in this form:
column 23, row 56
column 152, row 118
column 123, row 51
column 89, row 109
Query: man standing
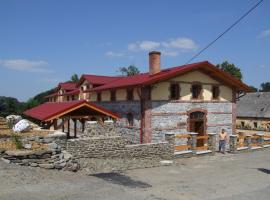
column 222, row 141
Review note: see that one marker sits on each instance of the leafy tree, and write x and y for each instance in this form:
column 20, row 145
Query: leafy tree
column 38, row 99
column 231, row 68
column 74, row 78
column 10, row 105
column 254, row 89
column 32, row 102
column 265, row 87
column 129, row 71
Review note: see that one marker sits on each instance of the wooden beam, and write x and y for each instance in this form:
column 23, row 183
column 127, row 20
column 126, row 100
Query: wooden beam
column 55, row 124
column 83, row 124
column 68, row 133
column 75, row 128
column 63, row 125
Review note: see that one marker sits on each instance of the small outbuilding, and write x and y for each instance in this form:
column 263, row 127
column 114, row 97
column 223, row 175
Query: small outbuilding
column 253, row 111
column 51, row 113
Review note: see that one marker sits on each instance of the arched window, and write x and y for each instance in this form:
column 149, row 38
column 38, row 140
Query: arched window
column 174, row 91
column 130, row 119
column 98, row 96
column 113, row 96
column 215, row 92
column 130, row 94
column 197, row 115
column 196, row 90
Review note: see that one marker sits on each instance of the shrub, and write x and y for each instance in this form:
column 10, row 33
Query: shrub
column 17, row 140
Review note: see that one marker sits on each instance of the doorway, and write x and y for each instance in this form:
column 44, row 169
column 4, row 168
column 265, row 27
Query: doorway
column 197, row 125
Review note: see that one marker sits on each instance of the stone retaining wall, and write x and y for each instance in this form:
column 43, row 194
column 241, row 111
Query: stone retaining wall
column 116, row 147
column 104, row 154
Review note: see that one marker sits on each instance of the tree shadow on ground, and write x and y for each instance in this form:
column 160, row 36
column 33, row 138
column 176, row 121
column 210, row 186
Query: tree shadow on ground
column 266, row 171
column 120, row 179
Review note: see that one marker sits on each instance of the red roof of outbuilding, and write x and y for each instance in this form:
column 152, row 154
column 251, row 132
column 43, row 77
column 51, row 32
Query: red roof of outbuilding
column 147, row 79
column 52, row 110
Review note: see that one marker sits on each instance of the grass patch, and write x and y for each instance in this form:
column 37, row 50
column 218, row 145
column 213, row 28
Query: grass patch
column 17, row 141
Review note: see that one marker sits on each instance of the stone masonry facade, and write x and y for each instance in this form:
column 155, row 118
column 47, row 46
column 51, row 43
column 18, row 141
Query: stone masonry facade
column 171, row 117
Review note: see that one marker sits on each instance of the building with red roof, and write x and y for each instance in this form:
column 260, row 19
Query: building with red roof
column 196, row 97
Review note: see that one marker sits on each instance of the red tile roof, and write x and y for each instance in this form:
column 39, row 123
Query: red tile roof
column 76, row 91
column 98, row 80
column 67, row 86
column 146, row 79
column 51, row 110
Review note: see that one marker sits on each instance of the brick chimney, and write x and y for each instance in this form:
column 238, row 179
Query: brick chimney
column 154, row 62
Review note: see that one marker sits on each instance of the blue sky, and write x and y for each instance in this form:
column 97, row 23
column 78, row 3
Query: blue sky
column 43, row 42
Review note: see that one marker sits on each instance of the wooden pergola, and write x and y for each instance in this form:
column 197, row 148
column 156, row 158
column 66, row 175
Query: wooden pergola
column 51, row 112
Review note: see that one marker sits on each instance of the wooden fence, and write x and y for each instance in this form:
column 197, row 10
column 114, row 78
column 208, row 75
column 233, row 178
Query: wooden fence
column 187, row 143
column 248, row 142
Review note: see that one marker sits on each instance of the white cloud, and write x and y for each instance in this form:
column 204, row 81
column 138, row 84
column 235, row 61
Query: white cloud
column 170, row 47
column 26, row 65
column 264, row 34
column 114, row 54
column 149, row 45
column 170, row 53
column 181, row 43
column 144, row 45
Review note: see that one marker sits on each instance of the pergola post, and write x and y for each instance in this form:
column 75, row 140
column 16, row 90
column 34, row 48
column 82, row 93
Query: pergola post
column 83, row 124
column 68, row 133
column 75, row 127
column 55, row 124
column 63, row 125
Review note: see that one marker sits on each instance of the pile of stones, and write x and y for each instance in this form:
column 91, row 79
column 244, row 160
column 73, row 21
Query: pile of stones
column 52, row 158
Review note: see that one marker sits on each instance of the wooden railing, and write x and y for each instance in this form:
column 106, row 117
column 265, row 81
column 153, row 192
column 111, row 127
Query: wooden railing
column 204, row 140
column 242, row 142
column 189, row 142
column 182, row 147
column 266, row 140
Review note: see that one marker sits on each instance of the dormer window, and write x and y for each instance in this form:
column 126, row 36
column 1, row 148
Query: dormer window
column 196, row 90
column 174, row 91
column 215, row 92
column 130, row 94
column 84, row 87
column 113, row 96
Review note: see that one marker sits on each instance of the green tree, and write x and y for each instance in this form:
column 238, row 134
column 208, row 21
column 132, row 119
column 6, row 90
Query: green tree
column 129, row 71
column 231, row 68
column 74, row 78
column 37, row 99
column 254, row 89
column 265, row 87
column 10, row 105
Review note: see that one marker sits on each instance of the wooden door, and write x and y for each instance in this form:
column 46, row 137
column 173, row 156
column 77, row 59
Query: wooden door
column 197, row 125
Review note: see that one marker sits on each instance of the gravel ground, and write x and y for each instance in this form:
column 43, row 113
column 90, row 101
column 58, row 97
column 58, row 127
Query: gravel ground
column 221, row 177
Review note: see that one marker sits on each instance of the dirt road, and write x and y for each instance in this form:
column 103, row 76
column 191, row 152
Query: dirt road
column 243, row 176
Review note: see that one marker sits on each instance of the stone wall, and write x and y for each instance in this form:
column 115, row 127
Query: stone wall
column 117, row 147
column 132, row 134
column 172, row 117
column 95, row 129
column 104, row 154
